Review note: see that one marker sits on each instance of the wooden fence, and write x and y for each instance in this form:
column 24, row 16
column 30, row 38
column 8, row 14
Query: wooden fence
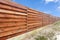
column 16, row 19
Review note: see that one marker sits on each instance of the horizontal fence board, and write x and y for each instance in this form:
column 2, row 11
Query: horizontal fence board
column 11, row 16
column 11, row 8
column 13, row 4
column 13, row 28
column 30, row 13
column 12, row 20
column 11, row 24
column 11, row 32
column 11, row 12
column 33, row 11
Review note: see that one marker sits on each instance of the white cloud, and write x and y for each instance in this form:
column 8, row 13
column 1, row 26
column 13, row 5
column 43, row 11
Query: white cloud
column 47, row 1
column 58, row 8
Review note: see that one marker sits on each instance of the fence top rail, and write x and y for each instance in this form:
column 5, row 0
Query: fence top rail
column 13, row 4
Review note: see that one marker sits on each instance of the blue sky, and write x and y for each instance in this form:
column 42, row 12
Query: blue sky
column 47, row 6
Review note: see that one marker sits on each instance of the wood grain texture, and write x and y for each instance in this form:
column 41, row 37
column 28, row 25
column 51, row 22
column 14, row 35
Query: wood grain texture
column 16, row 19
